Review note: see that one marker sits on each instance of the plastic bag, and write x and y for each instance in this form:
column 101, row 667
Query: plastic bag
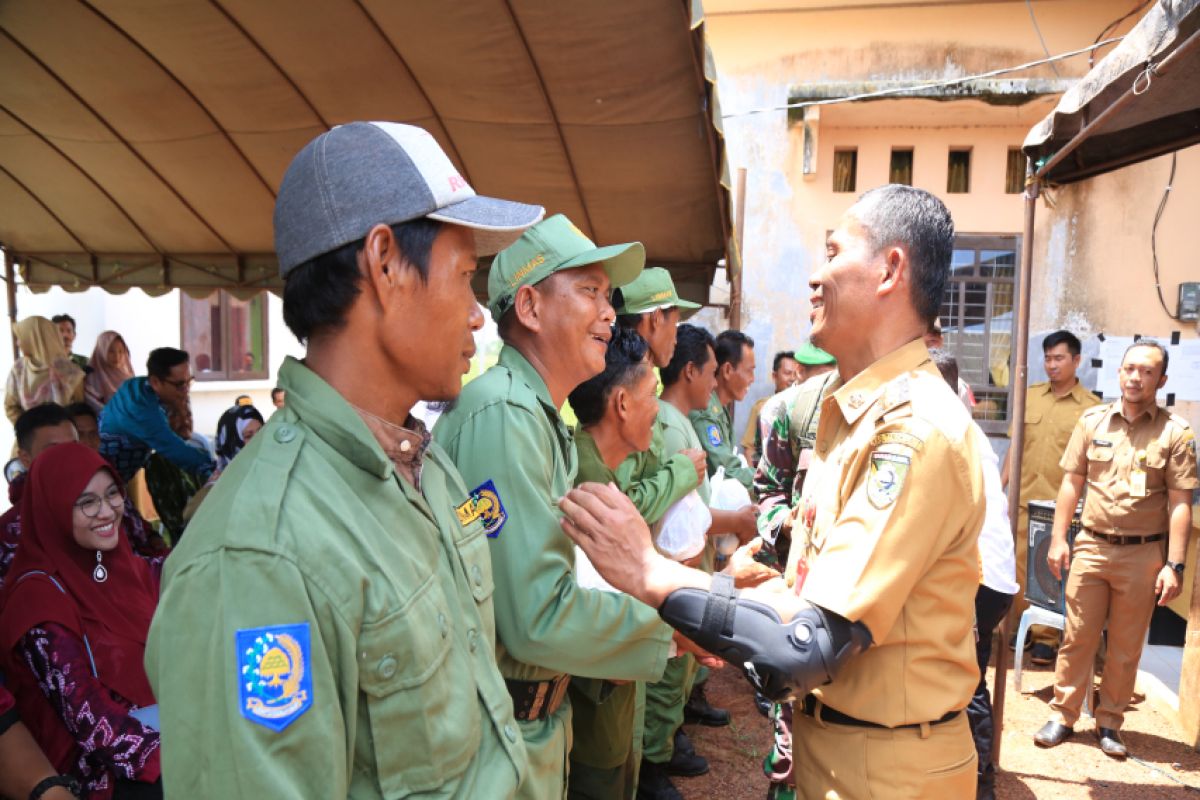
column 684, row 528
column 727, row 494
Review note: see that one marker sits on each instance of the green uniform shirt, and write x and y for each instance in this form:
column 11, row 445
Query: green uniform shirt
column 678, row 434
column 385, row 597
column 714, row 428
column 657, row 478
column 506, row 436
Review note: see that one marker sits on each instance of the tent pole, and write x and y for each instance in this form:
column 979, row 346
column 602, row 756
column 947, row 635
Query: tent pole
column 10, row 276
column 739, row 237
column 1017, row 448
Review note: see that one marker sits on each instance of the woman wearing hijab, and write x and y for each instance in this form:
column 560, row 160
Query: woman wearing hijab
column 73, row 623
column 44, row 373
column 110, row 367
column 235, row 428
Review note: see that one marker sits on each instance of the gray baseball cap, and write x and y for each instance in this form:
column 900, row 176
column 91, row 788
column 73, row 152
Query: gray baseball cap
column 356, row 176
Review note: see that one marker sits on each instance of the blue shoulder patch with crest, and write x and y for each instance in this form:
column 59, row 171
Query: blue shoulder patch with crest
column 714, row 436
column 484, row 505
column 274, row 679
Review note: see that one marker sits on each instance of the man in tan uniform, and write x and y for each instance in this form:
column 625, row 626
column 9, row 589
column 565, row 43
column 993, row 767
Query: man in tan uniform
column 1139, row 463
column 885, row 543
column 1051, row 411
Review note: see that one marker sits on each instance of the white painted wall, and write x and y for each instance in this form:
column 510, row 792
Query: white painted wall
column 146, row 323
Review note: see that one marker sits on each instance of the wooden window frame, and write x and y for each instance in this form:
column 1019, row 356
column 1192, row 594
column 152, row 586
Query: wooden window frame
column 228, row 374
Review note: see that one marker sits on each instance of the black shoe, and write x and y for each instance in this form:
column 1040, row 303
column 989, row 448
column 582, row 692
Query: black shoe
column 686, row 765
column 683, row 744
column 763, row 705
column 1052, row 734
column 655, row 784
column 699, row 712
column 1110, row 742
column 1042, row 654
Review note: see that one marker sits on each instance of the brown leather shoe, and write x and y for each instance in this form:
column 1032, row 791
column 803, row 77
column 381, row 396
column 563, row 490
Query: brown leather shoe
column 1110, row 742
column 1052, row 734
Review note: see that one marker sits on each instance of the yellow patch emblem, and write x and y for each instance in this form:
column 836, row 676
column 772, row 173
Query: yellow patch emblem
column 898, row 437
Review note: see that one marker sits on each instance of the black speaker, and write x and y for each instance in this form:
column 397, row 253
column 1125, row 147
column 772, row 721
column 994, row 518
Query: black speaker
column 1041, row 587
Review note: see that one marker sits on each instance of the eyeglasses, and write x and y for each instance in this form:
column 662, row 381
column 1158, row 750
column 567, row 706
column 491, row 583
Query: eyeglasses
column 181, row 385
column 90, row 504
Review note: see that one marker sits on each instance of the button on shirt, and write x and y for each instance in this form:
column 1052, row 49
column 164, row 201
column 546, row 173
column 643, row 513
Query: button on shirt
column 1108, row 449
column 886, row 535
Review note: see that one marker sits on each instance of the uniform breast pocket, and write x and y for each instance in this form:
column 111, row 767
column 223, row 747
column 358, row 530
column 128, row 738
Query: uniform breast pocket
column 421, row 701
column 1033, row 417
column 1156, row 464
column 477, row 564
column 1100, row 461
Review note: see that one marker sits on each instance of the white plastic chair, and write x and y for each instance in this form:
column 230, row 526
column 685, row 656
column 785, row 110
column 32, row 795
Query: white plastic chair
column 1036, row 615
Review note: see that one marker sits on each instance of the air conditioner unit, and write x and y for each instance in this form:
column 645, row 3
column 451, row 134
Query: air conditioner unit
column 1041, row 587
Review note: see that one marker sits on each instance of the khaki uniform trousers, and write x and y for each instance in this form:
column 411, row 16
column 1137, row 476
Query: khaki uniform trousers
column 843, row 762
column 1110, row 583
column 1038, row 634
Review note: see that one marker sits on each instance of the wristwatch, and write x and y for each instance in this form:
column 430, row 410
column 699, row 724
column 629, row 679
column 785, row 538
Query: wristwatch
column 66, row 781
column 1176, row 565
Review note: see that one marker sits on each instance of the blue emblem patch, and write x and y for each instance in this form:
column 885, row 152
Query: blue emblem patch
column 274, row 681
column 714, row 436
column 486, row 506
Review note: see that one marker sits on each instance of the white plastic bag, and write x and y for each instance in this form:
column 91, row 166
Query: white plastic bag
column 727, row 494
column 684, row 527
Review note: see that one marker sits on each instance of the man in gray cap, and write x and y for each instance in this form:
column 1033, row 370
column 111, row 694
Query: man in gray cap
column 332, row 604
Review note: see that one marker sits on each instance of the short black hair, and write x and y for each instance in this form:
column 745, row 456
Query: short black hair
column 918, row 221
column 278, row 390
column 164, row 359
column 691, row 347
column 57, row 318
column 627, row 321
column 317, row 294
column 947, row 365
column 623, row 363
column 1166, row 357
column 1074, row 346
column 729, row 347
column 780, row 356
column 82, row 410
column 47, row 415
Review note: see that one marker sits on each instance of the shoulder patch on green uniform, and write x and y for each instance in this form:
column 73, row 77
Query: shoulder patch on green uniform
column 484, row 505
column 886, row 477
column 274, row 682
column 898, row 437
column 714, row 435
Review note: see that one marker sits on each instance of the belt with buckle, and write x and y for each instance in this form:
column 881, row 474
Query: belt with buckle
column 828, row 714
column 536, row 700
column 1111, row 539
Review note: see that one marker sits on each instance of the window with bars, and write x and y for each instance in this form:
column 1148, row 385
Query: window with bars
column 845, row 170
column 977, row 321
column 958, row 172
column 900, row 169
column 1014, row 173
column 226, row 337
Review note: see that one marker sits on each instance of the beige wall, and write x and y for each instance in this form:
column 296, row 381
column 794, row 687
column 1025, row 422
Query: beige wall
column 1092, row 270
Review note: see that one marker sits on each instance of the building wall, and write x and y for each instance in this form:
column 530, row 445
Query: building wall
column 762, row 56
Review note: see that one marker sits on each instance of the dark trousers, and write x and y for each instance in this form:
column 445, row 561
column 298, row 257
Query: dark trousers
column 990, row 608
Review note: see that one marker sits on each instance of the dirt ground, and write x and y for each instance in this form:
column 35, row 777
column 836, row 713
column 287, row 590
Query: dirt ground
column 1161, row 767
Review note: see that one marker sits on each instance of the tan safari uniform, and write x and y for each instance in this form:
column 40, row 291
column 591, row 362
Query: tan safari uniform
column 886, row 535
column 1049, row 421
column 1128, row 468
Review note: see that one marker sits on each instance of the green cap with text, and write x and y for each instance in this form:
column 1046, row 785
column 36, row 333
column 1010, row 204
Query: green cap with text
column 811, row 356
column 648, row 291
column 551, row 245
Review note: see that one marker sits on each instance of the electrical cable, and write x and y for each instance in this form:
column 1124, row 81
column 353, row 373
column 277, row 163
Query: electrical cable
column 1112, row 26
column 1162, row 204
column 930, row 85
column 1037, row 29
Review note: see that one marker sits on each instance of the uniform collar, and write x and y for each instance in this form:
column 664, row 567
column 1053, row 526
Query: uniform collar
column 589, row 454
column 860, row 392
column 1077, row 393
column 317, row 405
column 520, row 368
column 404, row 444
column 1114, row 410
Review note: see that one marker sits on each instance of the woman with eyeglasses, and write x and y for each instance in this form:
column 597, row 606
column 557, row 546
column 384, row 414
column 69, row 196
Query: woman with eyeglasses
column 74, row 615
